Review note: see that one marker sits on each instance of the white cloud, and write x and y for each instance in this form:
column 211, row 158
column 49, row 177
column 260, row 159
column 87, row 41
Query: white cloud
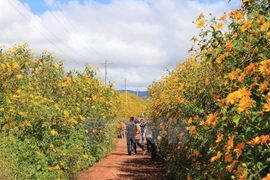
column 140, row 38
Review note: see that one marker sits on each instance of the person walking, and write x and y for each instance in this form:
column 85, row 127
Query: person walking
column 142, row 125
column 137, row 138
column 130, row 134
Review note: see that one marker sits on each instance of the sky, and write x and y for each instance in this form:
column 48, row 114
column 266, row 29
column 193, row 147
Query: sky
column 140, row 39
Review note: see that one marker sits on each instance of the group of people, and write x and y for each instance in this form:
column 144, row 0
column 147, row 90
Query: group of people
column 135, row 133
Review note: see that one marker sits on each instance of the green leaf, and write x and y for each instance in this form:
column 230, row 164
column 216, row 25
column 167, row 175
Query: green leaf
column 236, row 119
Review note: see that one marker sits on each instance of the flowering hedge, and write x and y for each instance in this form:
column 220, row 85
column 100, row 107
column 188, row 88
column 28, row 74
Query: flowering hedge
column 221, row 94
column 53, row 124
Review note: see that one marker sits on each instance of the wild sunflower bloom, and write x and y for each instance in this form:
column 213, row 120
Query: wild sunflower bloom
column 240, row 16
column 267, row 177
column 223, row 17
column 230, row 167
column 266, row 107
column 228, row 46
column 250, row 69
column 246, row 25
column 230, row 142
column 216, row 157
column 263, row 87
column 219, row 137
column 244, row 104
column 57, row 107
column 200, row 16
column 219, row 25
column 264, row 138
column 57, row 166
column 239, row 147
column 54, row 132
column 233, row 97
column 66, row 114
column 212, row 119
column 228, row 157
column 254, row 141
column 201, row 23
column 265, row 27
column 234, row 74
column 220, row 58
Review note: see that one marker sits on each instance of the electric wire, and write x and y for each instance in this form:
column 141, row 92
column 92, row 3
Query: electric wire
column 40, row 31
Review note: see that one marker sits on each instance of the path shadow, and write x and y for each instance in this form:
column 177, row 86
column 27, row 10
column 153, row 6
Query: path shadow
column 120, row 154
column 141, row 169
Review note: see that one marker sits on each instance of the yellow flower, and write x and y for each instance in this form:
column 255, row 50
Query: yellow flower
column 230, row 142
column 200, row 16
column 212, row 119
column 246, row 25
column 57, row 107
column 57, row 166
column 223, row 17
column 234, row 74
column 216, row 157
column 219, row 25
column 254, row 141
column 244, row 104
column 228, row 45
column 267, row 177
column 93, row 107
column 220, row 58
column 82, row 118
column 233, row 97
column 2, row 109
column 239, row 16
column 54, row 132
column 19, row 76
column 85, row 156
column 265, row 27
column 66, row 114
column 263, row 87
column 201, row 23
column 266, row 107
column 231, row 166
column 219, row 138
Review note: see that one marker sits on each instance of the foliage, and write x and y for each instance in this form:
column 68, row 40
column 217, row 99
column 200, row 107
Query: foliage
column 56, row 123
column 221, row 94
column 131, row 105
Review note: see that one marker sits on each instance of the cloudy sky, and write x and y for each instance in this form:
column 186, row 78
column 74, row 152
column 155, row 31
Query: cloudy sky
column 138, row 38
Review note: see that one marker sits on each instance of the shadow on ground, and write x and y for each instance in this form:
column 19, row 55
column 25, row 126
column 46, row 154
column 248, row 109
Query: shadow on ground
column 141, row 169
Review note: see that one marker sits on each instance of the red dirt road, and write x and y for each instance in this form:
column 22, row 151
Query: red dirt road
column 119, row 166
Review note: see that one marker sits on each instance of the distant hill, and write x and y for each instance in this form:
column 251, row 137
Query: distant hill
column 140, row 93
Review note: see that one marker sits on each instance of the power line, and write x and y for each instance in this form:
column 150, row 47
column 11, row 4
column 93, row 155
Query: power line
column 40, row 31
column 67, row 28
column 56, row 36
column 76, row 29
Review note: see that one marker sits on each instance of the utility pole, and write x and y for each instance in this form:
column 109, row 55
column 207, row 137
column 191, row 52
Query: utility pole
column 126, row 89
column 106, row 67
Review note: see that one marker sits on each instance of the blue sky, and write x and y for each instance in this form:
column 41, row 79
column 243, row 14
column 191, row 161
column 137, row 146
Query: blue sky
column 38, row 7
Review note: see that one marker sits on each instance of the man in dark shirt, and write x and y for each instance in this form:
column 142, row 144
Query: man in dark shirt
column 131, row 132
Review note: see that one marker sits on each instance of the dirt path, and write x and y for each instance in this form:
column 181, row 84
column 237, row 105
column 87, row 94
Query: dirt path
column 119, row 165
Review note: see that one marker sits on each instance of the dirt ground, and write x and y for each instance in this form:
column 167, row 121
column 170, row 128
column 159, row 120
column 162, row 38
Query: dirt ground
column 119, row 165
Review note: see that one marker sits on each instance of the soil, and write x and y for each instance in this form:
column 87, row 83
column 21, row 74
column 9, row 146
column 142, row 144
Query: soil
column 119, row 165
